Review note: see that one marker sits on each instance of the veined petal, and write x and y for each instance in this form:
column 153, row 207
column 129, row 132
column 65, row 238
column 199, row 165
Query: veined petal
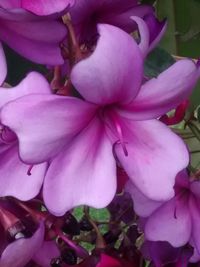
column 171, row 222
column 123, row 63
column 83, row 174
column 155, row 156
column 20, row 252
column 3, row 65
column 167, row 91
column 143, row 206
column 33, row 83
column 49, row 123
column 14, row 178
column 45, row 7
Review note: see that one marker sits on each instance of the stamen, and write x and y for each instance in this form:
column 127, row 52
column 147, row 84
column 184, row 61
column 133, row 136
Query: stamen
column 114, row 153
column 175, row 213
column 29, row 170
column 120, row 134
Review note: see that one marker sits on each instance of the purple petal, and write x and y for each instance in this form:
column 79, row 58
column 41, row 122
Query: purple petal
column 160, row 252
column 196, row 255
column 122, row 17
column 194, row 205
column 144, row 35
column 171, row 222
column 46, row 253
column 33, row 83
column 167, row 91
column 49, row 123
column 31, row 39
column 10, row 3
column 143, row 206
column 156, row 29
column 152, row 163
column 45, row 7
column 123, row 75
column 20, row 252
column 3, row 65
column 14, row 178
column 195, row 188
column 86, row 14
column 83, row 174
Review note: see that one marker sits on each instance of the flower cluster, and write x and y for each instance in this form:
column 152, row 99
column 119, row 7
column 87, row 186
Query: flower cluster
column 93, row 132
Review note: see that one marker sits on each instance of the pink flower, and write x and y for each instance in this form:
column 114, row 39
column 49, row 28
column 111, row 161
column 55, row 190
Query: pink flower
column 117, row 116
column 176, row 221
column 27, row 33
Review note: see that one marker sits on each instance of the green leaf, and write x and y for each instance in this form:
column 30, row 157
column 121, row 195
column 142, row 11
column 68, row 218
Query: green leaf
column 157, row 62
column 99, row 215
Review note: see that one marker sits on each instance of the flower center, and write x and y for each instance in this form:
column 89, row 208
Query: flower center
column 112, row 120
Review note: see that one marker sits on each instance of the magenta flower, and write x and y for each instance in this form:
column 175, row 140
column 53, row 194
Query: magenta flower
column 87, row 14
column 27, row 33
column 16, row 179
column 117, row 116
column 176, row 221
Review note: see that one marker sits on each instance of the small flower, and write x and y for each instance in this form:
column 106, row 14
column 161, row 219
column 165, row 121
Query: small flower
column 175, row 221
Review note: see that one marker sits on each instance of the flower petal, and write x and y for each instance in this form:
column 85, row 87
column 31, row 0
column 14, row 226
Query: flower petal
column 49, row 123
column 46, row 253
column 167, row 91
column 33, row 83
column 144, row 34
column 10, row 3
column 45, row 7
column 3, row 65
column 143, row 206
column 20, row 252
column 152, row 163
column 171, row 222
column 31, row 39
column 196, row 255
column 156, row 29
column 14, row 178
column 123, row 63
column 122, row 16
column 195, row 215
column 83, row 174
